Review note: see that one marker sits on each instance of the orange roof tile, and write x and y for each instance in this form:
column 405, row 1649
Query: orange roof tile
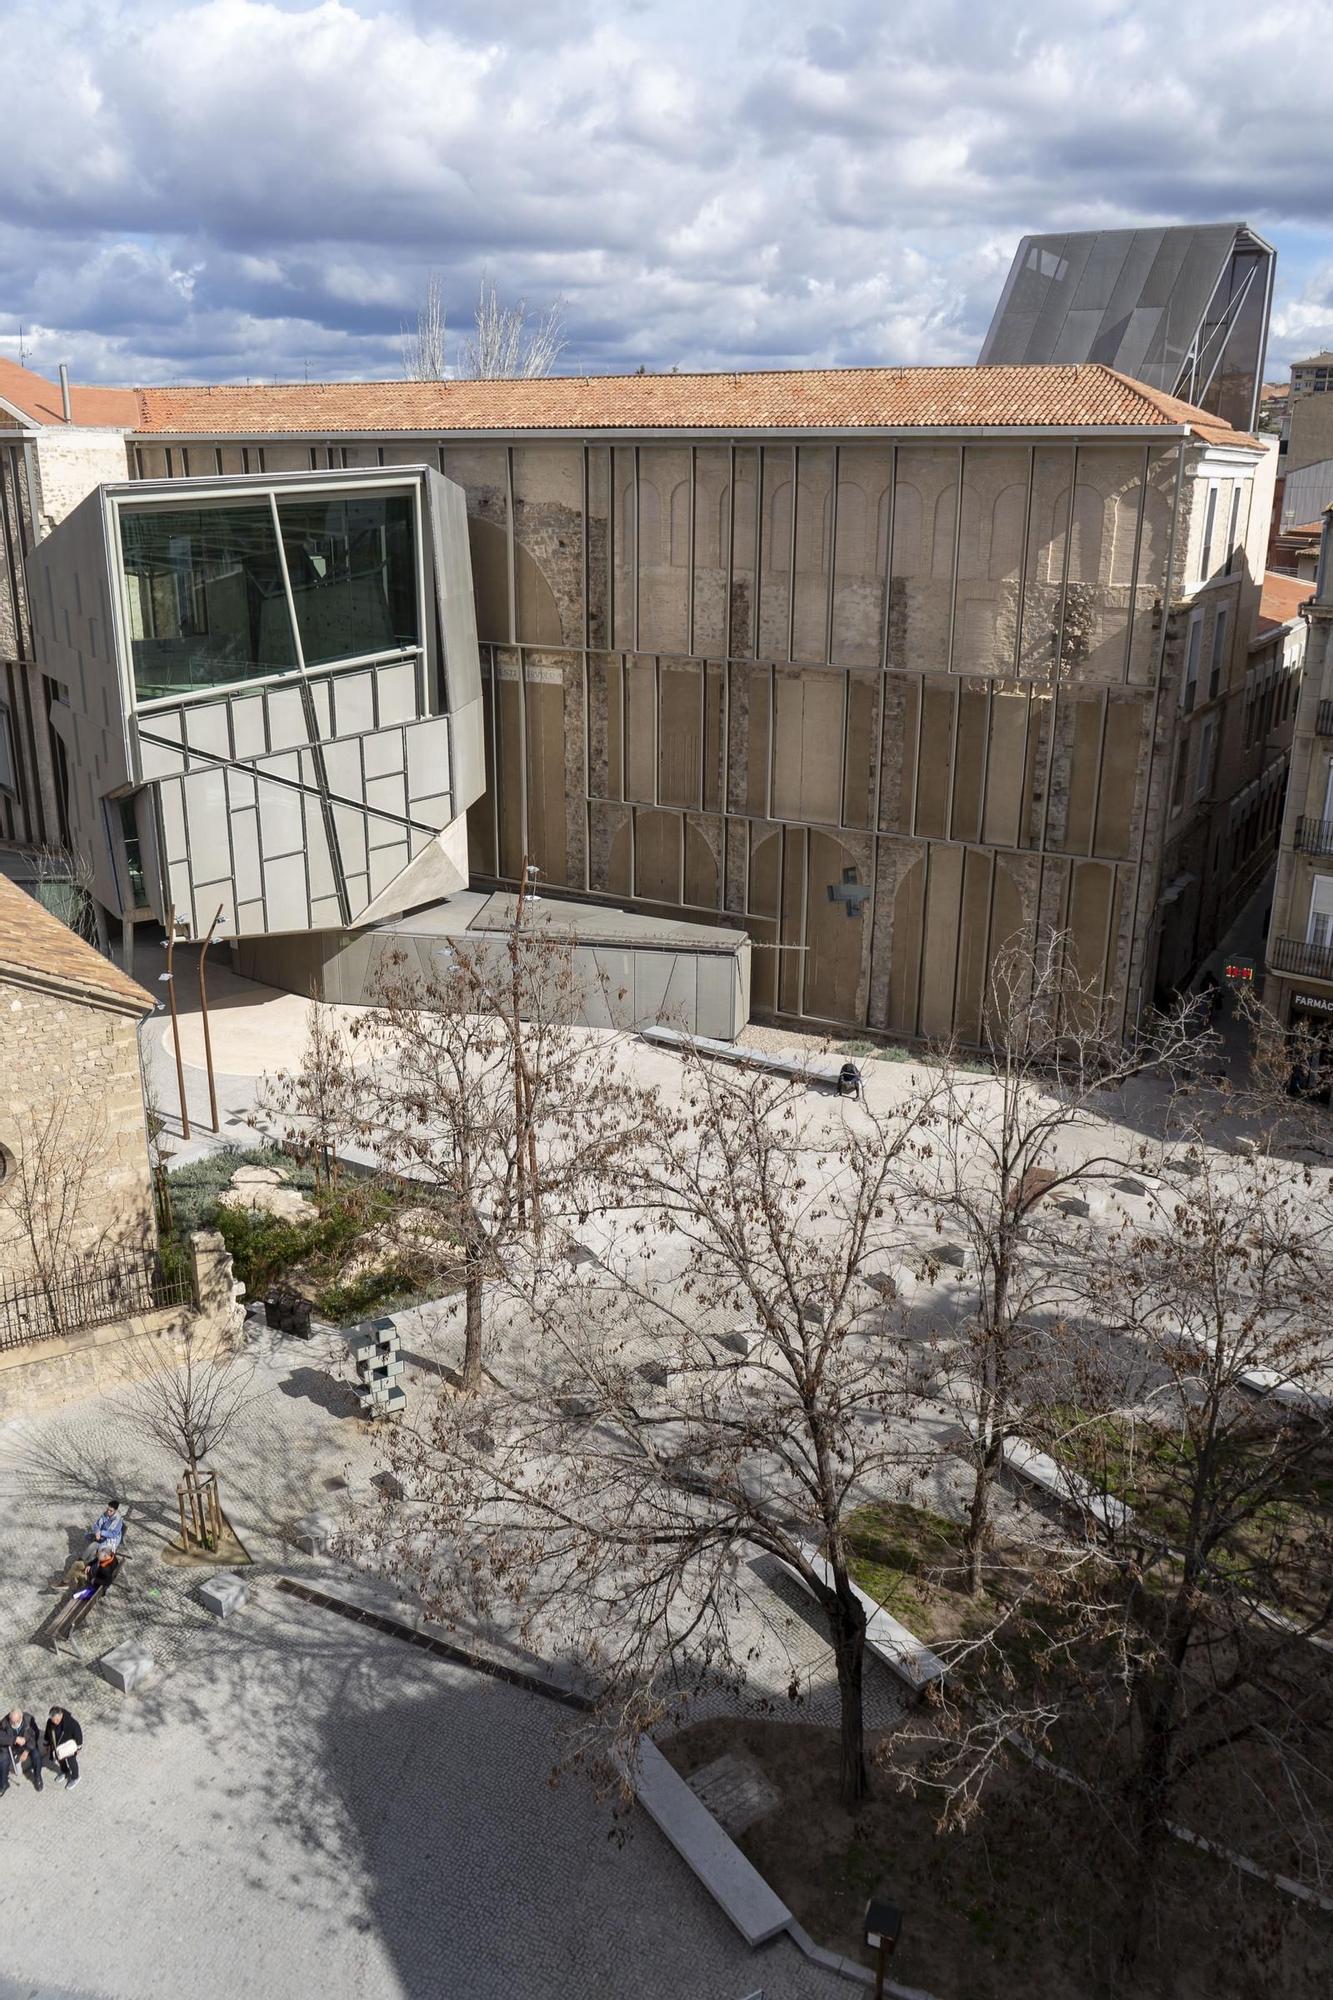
column 1087, row 396
column 39, row 400
column 1280, row 600
column 34, row 942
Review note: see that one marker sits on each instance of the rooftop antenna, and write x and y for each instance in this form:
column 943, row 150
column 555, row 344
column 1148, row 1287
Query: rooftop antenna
column 23, row 351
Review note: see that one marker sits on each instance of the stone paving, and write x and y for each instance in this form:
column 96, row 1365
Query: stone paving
column 292, row 1791
column 308, row 1806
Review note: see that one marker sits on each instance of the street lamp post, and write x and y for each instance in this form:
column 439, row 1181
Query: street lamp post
column 169, row 980
column 203, row 1009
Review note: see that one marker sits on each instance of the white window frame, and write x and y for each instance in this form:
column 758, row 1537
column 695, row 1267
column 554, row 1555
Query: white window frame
column 1319, row 924
column 1203, row 769
column 1209, row 527
column 1221, row 626
column 9, row 772
column 1193, row 648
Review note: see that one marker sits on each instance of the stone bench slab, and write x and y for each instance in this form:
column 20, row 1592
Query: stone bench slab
column 1070, row 1488
column 892, row 1644
column 737, row 1887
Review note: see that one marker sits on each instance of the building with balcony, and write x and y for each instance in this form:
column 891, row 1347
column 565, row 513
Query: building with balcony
column 877, row 670
column 1299, row 987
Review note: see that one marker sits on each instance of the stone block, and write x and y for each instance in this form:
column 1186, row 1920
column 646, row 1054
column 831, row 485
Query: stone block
column 126, row 1666
column 221, row 1595
column 956, row 1254
column 314, row 1532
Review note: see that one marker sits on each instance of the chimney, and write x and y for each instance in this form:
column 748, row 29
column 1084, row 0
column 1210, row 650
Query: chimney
column 65, row 402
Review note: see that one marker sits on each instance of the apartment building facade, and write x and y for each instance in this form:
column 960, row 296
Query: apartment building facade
column 1299, row 986
column 886, row 668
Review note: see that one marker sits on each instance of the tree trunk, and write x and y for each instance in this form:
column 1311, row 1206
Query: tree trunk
column 847, row 1625
column 1148, row 1792
column 978, row 1524
column 472, row 1273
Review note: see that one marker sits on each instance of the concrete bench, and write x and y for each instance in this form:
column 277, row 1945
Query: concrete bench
column 1069, row 1488
column 221, row 1595
column 892, row 1644
column 126, row 1666
column 314, row 1532
column 1267, row 1382
column 738, row 1888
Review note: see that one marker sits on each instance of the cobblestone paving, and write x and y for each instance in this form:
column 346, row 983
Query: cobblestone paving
column 310, row 1807
column 294, row 1801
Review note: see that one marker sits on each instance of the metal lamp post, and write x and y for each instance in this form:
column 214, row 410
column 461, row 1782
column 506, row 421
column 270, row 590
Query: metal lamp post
column 883, row 1926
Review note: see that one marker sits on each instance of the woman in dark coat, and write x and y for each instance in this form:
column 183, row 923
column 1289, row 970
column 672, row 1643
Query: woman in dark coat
column 61, row 1730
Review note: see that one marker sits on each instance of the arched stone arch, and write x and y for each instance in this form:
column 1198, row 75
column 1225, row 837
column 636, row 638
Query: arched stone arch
column 680, row 523
column 907, row 551
column 852, row 556
column 1087, row 530
column 942, row 532
column 1007, row 524
column 777, row 547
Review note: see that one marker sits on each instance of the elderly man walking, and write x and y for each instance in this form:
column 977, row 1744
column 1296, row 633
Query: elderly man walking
column 20, row 1749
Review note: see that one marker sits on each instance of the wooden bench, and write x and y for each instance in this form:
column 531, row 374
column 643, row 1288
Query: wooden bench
column 1069, row 1488
column 892, row 1644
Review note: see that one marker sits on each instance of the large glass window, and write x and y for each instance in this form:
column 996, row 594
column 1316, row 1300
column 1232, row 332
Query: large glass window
column 207, row 604
column 208, row 599
column 353, row 568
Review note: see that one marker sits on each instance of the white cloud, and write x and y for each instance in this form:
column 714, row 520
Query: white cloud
column 244, row 188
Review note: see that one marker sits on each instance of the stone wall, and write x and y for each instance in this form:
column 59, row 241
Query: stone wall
column 70, row 463
column 91, row 1360
column 71, row 1111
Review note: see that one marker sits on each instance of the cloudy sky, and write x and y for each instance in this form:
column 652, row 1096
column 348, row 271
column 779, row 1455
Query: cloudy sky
column 243, row 189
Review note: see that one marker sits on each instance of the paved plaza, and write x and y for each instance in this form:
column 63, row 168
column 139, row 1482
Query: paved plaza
column 296, row 1803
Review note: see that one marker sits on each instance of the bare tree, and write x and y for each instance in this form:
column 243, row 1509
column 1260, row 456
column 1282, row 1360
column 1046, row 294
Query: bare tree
column 425, row 351
column 191, row 1405
column 510, row 341
column 1172, row 1668
column 726, row 1383
column 1221, row 1302
column 62, row 1155
column 1006, row 1139
column 486, row 1098
column 316, row 1104
column 62, row 882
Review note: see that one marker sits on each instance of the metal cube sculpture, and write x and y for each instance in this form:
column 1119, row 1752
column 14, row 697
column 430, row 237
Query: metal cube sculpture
column 374, row 1345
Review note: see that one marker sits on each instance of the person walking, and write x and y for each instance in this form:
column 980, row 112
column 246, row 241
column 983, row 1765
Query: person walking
column 20, row 1748
column 63, row 1740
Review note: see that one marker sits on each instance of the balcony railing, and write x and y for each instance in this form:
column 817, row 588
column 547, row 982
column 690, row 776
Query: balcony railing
column 1314, row 836
column 1310, row 961
column 1323, row 719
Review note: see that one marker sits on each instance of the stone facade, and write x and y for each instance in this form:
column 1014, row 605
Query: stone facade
column 71, row 1118
column 726, row 680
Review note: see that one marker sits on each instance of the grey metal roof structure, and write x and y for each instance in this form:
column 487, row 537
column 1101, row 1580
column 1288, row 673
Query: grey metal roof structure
column 1184, row 310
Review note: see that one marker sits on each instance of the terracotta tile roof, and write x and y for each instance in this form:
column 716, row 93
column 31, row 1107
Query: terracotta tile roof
column 1083, row 397
column 39, row 400
column 1281, row 598
column 33, row 941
